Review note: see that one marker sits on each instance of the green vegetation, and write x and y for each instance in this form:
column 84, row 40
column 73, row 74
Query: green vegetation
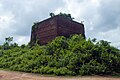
column 62, row 14
column 68, row 16
column 63, row 56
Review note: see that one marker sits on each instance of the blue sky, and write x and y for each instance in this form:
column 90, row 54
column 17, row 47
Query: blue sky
column 101, row 17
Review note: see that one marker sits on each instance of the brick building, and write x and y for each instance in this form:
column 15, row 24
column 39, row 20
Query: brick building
column 46, row 30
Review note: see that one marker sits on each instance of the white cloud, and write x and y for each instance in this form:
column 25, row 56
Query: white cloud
column 111, row 35
column 17, row 16
column 22, row 39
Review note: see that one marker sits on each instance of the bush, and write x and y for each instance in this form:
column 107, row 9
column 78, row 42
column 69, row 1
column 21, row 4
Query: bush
column 93, row 67
column 64, row 56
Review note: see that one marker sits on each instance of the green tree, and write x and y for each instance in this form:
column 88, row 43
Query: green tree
column 6, row 45
column 63, row 14
column 52, row 14
column 8, row 40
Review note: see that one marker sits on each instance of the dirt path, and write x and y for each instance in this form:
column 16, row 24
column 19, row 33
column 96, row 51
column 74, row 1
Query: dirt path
column 10, row 75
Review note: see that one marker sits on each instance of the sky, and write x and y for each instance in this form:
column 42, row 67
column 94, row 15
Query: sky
column 101, row 17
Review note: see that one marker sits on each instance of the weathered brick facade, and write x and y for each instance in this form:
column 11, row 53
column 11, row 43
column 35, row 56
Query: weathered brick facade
column 45, row 31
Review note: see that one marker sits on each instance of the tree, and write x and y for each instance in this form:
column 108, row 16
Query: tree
column 66, row 15
column 6, row 45
column 8, row 39
column 52, row 14
column 62, row 14
column 105, row 43
column 94, row 40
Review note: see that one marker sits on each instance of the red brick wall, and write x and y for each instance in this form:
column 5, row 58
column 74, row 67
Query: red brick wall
column 50, row 28
column 67, row 27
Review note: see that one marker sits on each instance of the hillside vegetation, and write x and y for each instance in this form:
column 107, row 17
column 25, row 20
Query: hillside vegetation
column 63, row 56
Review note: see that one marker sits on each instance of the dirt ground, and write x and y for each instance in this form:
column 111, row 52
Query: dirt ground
column 10, row 75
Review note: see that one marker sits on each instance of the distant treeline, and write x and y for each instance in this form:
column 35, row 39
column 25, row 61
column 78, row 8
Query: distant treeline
column 63, row 56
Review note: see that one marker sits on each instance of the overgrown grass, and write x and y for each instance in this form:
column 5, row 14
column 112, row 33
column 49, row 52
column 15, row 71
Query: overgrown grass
column 64, row 56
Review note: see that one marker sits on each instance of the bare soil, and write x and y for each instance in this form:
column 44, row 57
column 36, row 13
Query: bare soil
column 11, row 75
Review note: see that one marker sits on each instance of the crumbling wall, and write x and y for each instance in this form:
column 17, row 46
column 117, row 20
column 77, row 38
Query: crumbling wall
column 45, row 31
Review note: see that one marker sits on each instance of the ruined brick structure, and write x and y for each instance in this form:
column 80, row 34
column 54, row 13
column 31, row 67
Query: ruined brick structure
column 45, row 31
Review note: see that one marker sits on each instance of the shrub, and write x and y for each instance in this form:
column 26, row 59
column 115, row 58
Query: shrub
column 64, row 56
column 93, row 67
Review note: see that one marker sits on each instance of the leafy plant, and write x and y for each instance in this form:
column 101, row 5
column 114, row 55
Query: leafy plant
column 63, row 56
